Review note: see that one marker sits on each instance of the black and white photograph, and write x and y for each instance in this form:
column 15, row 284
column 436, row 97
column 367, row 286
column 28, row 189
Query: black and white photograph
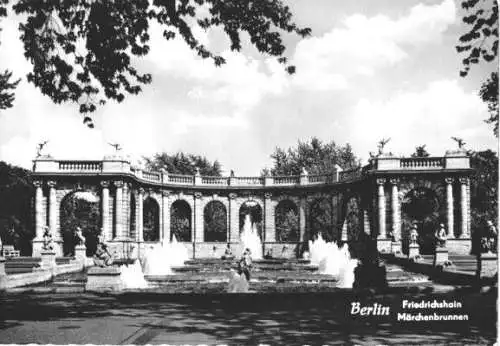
column 249, row 172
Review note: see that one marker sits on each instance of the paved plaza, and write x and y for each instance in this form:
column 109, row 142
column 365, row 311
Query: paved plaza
column 285, row 319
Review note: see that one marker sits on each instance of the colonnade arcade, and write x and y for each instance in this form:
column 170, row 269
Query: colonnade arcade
column 380, row 201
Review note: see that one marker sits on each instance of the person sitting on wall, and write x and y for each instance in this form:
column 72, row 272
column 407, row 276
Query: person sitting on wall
column 441, row 236
column 102, row 257
column 245, row 264
column 228, row 254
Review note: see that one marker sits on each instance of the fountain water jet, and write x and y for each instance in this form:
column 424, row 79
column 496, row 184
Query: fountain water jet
column 333, row 260
column 160, row 258
column 132, row 276
column 249, row 238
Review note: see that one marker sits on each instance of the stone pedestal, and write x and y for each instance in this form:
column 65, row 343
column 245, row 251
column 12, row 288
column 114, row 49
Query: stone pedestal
column 413, row 251
column 396, row 247
column 2, row 266
column 81, row 253
column 104, row 279
column 48, row 259
column 37, row 247
column 384, row 245
column 441, row 256
column 487, row 265
column 3, row 276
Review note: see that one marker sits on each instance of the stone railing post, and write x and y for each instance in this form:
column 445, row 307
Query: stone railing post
column 198, row 218
column 449, row 207
column 119, row 210
column 304, row 177
column 269, row 231
column 382, row 234
column 234, row 221
column 396, row 222
column 107, row 231
column 139, row 223
column 197, row 177
column 464, row 182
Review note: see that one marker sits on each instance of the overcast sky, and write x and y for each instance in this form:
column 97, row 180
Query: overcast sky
column 372, row 69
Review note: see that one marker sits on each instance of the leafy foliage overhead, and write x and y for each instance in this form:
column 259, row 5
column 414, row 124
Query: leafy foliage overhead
column 315, row 156
column 480, row 43
column 182, row 163
column 83, row 51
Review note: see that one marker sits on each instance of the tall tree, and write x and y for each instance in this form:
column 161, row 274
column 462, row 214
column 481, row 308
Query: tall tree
column 315, row 156
column 84, row 51
column 420, row 151
column 16, row 220
column 484, row 188
column 182, row 163
column 480, row 43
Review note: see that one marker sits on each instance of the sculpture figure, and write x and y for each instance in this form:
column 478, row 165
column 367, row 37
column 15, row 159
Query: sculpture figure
column 381, row 144
column 79, row 235
column 441, row 236
column 102, row 257
column 40, row 147
column 228, row 254
column 489, row 238
column 413, row 234
column 48, row 243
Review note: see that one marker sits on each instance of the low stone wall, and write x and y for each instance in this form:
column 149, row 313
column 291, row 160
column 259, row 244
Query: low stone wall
column 487, row 265
column 459, row 246
column 16, row 280
column 38, row 275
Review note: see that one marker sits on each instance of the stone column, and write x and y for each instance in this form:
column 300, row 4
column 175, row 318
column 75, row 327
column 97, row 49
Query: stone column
column 464, row 208
column 53, row 211
column 234, row 220
column 107, row 230
column 449, row 206
column 396, row 222
column 166, row 215
column 119, row 210
column 382, row 234
column 39, row 222
column 139, row 223
column 269, row 230
column 198, row 218
column 302, row 218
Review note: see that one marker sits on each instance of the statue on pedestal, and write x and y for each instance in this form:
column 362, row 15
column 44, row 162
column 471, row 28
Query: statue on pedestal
column 48, row 242
column 489, row 238
column 102, row 257
column 79, row 235
column 441, row 236
column 413, row 234
column 228, row 254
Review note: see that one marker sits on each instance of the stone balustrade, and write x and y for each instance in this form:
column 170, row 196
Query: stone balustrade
column 116, row 165
column 421, row 163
